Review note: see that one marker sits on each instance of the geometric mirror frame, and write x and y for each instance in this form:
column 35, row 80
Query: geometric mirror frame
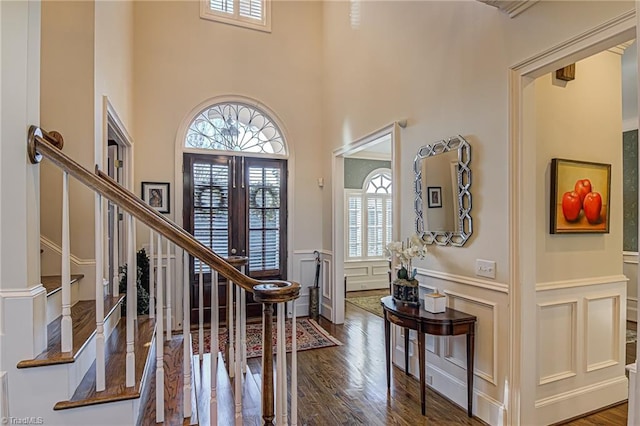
column 444, row 165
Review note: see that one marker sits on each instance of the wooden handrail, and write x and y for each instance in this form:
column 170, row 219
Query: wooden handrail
column 40, row 144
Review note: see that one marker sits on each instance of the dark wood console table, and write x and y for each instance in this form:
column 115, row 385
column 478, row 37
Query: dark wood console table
column 448, row 323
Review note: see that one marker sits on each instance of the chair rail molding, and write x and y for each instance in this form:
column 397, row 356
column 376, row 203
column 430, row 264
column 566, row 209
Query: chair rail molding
column 466, row 280
column 511, row 8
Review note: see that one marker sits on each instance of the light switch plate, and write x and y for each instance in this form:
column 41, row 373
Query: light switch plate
column 485, row 268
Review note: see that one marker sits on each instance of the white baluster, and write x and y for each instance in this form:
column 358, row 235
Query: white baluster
column 116, row 250
column 67, row 324
column 200, row 311
column 238, row 364
column 243, row 325
column 186, row 355
column 152, row 263
column 230, row 328
column 281, row 378
column 215, row 325
column 135, row 269
column 159, row 340
column 294, row 367
column 169, row 286
column 98, row 238
column 132, row 274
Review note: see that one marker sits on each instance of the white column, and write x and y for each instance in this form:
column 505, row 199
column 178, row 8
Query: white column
column 135, row 269
column 200, row 311
column 67, row 325
column 131, row 307
column 169, row 287
column 99, row 234
column 160, row 341
column 294, row 367
column 152, row 271
column 186, row 334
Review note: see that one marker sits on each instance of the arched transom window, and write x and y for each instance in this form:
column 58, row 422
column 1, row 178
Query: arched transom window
column 236, row 127
column 368, row 217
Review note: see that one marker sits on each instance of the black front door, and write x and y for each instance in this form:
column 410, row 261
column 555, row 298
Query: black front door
column 236, row 206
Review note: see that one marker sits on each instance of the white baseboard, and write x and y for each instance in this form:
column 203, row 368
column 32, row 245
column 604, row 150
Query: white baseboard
column 581, row 400
column 484, row 407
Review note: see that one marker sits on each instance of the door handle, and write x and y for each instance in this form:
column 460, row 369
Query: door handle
column 233, row 251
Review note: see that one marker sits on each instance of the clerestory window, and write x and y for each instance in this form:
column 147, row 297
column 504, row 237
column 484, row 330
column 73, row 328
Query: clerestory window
column 254, row 14
column 369, row 219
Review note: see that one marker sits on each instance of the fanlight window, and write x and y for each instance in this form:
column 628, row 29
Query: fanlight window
column 235, row 127
column 368, row 217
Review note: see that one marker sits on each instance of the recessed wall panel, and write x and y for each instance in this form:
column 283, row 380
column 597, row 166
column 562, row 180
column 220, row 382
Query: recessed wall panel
column 602, row 345
column 556, row 341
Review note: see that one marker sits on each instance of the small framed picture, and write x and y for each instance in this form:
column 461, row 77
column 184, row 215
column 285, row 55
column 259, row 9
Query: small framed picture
column 156, row 194
column 434, row 197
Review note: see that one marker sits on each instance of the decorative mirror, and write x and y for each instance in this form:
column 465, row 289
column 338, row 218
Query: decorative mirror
column 443, row 200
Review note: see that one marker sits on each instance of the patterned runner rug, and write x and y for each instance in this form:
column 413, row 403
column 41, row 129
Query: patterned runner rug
column 310, row 335
column 368, row 303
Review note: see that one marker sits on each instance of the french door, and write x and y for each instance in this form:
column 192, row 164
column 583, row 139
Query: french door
column 236, row 205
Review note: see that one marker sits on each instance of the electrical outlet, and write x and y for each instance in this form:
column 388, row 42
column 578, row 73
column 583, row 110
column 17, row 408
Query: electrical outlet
column 485, row 268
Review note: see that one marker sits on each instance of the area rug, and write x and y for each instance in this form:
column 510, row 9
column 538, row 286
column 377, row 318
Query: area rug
column 308, row 332
column 368, row 303
column 632, row 336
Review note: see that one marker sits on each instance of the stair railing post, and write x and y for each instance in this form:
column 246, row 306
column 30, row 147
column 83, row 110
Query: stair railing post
column 243, row 324
column 294, row 366
column 169, row 287
column 267, row 364
column 152, row 271
column 131, row 307
column 160, row 340
column 281, row 367
column 67, row 324
column 135, row 269
column 215, row 325
column 200, row 310
column 238, row 364
column 186, row 334
column 115, row 291
column 100, row 340
column 230, row 329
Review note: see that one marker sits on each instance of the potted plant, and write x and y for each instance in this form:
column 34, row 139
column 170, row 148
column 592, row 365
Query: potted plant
column 405, row 287
column 142, row 279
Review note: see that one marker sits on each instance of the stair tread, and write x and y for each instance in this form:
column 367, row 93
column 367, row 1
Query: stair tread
column 53, row 283
column 84, row 326
column 115, row 365
column 173, row 380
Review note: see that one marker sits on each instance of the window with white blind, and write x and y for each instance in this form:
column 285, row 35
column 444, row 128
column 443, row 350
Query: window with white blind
column 368, row 217
column 255, row 14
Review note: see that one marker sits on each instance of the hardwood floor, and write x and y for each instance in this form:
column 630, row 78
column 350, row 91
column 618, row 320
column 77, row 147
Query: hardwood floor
column 346, row 385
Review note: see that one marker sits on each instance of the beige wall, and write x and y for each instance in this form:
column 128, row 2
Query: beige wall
column 87, row 53
column 67, row 102
column 182, row 60
column 580, row 121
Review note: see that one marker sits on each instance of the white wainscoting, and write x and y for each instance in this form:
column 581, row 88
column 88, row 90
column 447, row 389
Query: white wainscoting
column 51, row 264
column 366, row 274
column 304, row 272
column 446, row 356
column 580, row 346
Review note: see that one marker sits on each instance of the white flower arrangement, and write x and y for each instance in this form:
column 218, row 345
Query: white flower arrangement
column 405, row 252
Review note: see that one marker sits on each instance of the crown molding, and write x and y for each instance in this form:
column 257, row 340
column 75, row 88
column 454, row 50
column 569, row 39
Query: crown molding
column 511, row 8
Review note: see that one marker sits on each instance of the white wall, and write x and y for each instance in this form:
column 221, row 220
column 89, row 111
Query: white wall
column 420, row 61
